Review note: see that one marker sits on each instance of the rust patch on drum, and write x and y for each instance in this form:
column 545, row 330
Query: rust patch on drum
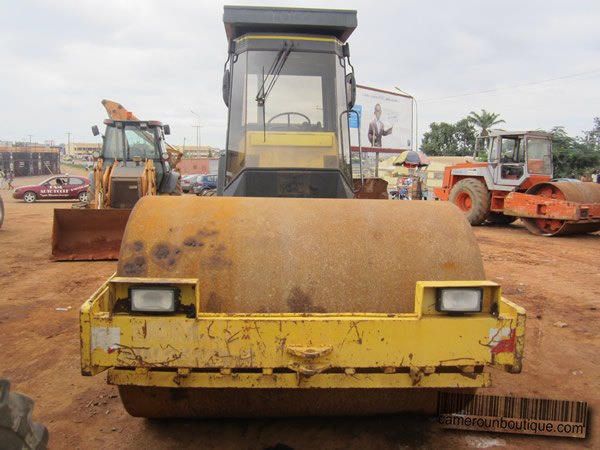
column 300, row 302
column 135, row 267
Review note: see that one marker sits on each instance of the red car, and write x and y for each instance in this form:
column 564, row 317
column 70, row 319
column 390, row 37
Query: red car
column 55, row 188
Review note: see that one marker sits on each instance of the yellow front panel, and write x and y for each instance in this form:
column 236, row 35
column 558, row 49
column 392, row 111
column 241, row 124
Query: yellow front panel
column 286, row 149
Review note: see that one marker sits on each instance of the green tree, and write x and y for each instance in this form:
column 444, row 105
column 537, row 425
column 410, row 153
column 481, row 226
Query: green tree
column 465, row 135
column 485, row 120
column 571, row 155
column 445, row 139
column 592, row 137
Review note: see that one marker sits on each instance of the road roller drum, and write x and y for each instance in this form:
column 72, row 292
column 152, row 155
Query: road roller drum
column 575, row 192
column 274, row 255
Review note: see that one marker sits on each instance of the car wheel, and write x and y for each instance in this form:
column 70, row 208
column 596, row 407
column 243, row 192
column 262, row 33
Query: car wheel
column 29, row 197
column 82, row 197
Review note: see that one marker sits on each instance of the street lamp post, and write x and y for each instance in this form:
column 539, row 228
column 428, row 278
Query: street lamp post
column 416, row 140
column 197, row 127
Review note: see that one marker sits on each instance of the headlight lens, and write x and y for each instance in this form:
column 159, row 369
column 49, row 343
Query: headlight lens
column 155, row 299
column 459, row 299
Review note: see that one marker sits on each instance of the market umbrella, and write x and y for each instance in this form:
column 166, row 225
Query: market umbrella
column 412, row 159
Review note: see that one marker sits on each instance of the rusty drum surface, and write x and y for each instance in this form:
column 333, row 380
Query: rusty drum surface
column 274, row 255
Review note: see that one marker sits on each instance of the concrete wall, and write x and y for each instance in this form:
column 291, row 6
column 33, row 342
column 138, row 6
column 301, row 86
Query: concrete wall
column 203, row 166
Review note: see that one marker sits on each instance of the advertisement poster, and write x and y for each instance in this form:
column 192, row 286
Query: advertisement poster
column 386, row 121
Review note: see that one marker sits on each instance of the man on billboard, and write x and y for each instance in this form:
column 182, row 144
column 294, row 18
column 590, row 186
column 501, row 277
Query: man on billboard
column 376, row 129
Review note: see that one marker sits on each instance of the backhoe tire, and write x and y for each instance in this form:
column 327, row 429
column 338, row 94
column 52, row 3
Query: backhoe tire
column 16, row 429
column 500, row 219
column 1, row 212
column 473, row 199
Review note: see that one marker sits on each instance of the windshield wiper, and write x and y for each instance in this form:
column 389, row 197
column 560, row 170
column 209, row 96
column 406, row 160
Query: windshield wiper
column 273, row 73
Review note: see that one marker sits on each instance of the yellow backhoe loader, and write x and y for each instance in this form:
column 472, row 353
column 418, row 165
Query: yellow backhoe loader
column 275, row 297
column 135, row 162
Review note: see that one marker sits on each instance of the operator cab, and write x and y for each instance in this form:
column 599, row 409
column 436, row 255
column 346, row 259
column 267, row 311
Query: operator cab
column 289, row 97
column 131, row 143
column 515, row 156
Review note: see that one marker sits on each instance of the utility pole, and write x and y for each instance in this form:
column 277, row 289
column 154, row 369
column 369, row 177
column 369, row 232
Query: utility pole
column 68, row 143
column 30, row 135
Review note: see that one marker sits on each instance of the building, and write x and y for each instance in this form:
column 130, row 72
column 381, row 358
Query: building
column 193, row 152
column 199, row 166
column 31, row 160
column 78, row 149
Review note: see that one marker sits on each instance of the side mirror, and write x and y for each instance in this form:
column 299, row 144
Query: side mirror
column 351, row 90
column 167, row 129
column 226, row 87
column 95, row 130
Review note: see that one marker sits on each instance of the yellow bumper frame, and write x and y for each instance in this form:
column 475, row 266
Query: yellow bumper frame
column 347, row 350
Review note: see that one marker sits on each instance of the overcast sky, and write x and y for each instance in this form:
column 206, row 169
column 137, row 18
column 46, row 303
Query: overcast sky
column 536, row 63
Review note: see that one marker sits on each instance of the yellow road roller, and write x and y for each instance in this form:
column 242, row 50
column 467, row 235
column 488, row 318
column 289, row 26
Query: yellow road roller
column 277, row 297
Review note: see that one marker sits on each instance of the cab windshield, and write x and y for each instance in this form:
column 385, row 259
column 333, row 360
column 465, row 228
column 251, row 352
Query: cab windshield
column 539, row 156
column 296, row 124
column 129, row 141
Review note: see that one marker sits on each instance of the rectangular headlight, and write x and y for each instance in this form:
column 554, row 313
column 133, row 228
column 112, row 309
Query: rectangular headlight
column 153, row 299
column 459, row 300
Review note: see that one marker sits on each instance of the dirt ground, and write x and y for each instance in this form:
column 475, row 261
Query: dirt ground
column 556, row 279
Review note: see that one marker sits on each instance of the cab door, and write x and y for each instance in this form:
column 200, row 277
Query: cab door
column 510, row 167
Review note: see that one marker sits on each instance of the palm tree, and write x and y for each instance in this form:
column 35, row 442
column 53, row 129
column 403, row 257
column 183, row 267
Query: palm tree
column 485, row 120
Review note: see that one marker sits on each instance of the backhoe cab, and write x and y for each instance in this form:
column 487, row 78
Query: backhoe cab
column 275, row 149
column 127, row 148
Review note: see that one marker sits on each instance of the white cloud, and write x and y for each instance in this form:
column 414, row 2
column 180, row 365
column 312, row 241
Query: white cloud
column 164, row 59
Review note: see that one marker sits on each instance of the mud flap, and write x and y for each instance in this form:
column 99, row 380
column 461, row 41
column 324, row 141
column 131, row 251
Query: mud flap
column 88, row 234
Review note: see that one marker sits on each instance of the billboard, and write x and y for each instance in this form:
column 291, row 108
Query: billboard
column 386, row 121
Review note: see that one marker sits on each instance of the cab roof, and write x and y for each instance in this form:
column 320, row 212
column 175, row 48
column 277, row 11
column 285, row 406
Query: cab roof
column 240, row 20
column 494, row 133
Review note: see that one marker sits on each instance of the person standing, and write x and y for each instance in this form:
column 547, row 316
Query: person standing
column 9, row 179
column 376, row 128
column 2, row 178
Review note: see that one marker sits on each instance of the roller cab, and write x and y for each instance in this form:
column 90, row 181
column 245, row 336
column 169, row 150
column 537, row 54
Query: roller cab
column 290, row 91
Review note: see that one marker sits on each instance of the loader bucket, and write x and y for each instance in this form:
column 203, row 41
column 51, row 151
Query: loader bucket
column 87, row 234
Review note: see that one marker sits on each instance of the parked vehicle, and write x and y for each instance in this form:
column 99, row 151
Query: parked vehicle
column 188, row 182
column 515, row 182
column 135, row 162
column 205, row 183
column 276, row 297
column 55, row 188
column 568, row 180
